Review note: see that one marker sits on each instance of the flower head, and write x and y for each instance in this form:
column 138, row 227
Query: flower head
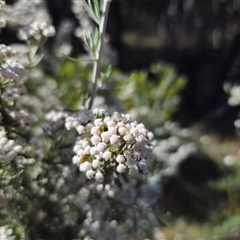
column 109, row 143
column 36, row 31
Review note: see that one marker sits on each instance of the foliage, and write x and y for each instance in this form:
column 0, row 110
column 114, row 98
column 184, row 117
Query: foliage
column 46, row 116
column 85, row 112
column 163, row 86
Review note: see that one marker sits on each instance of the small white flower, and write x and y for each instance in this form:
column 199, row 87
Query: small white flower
column 95, row 139
column 114, row 139
column 100, row 155
column 128, row 138
column 5, row 51
column 122, row 131
column 141, row 127
column 99, row 186
column 85, row 142
column 9, row 144
column 95, row 131
column 80, row 152
column 150, row 135
column 85, row 166
column 17, row 148
column 121, row 124
column 107, row 119
column 111, row 123
column 90, row 174
column 133, row 124
column 89, row 126
column 36, row 30
column 102, row 111
column 76, row 148
column 87, row 150
column 105, row 136
column 107, row 155
column 120, row 158
column 112, row 130
column 111, row 193
column 69, row 123
column 141, row 139
column 81, row 129
column 101, row 146
column 96, row 163
column 93, row 151
column 75, row 159
column 121, row 168
column 99, row 176
column 98, row 122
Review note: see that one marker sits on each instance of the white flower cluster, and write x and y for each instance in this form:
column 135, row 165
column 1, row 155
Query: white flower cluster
column 23, row 118
column 12, row 95
column 22, row 12
column 8, row 148
column 13, row 70
column 110, row 142
column 56, row 115
column 36, row 31
column 9, row 68
column 5, row 51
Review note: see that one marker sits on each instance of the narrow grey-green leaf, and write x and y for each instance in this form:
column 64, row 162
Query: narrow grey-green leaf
column 90, row 9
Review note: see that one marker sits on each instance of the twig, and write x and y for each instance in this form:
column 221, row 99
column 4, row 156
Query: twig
column 97, row 63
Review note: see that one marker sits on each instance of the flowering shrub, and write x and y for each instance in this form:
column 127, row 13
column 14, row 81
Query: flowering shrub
column 42, row 194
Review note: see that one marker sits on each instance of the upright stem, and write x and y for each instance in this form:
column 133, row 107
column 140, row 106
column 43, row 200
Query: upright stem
column 97, row 63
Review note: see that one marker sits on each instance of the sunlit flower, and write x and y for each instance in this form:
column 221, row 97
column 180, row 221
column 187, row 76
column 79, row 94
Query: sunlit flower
column 36, row 31
column 9, row 149
column 12, row 70
column 107, row 141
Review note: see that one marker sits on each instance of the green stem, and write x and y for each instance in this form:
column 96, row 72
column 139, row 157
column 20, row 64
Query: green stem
column 97, row 63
